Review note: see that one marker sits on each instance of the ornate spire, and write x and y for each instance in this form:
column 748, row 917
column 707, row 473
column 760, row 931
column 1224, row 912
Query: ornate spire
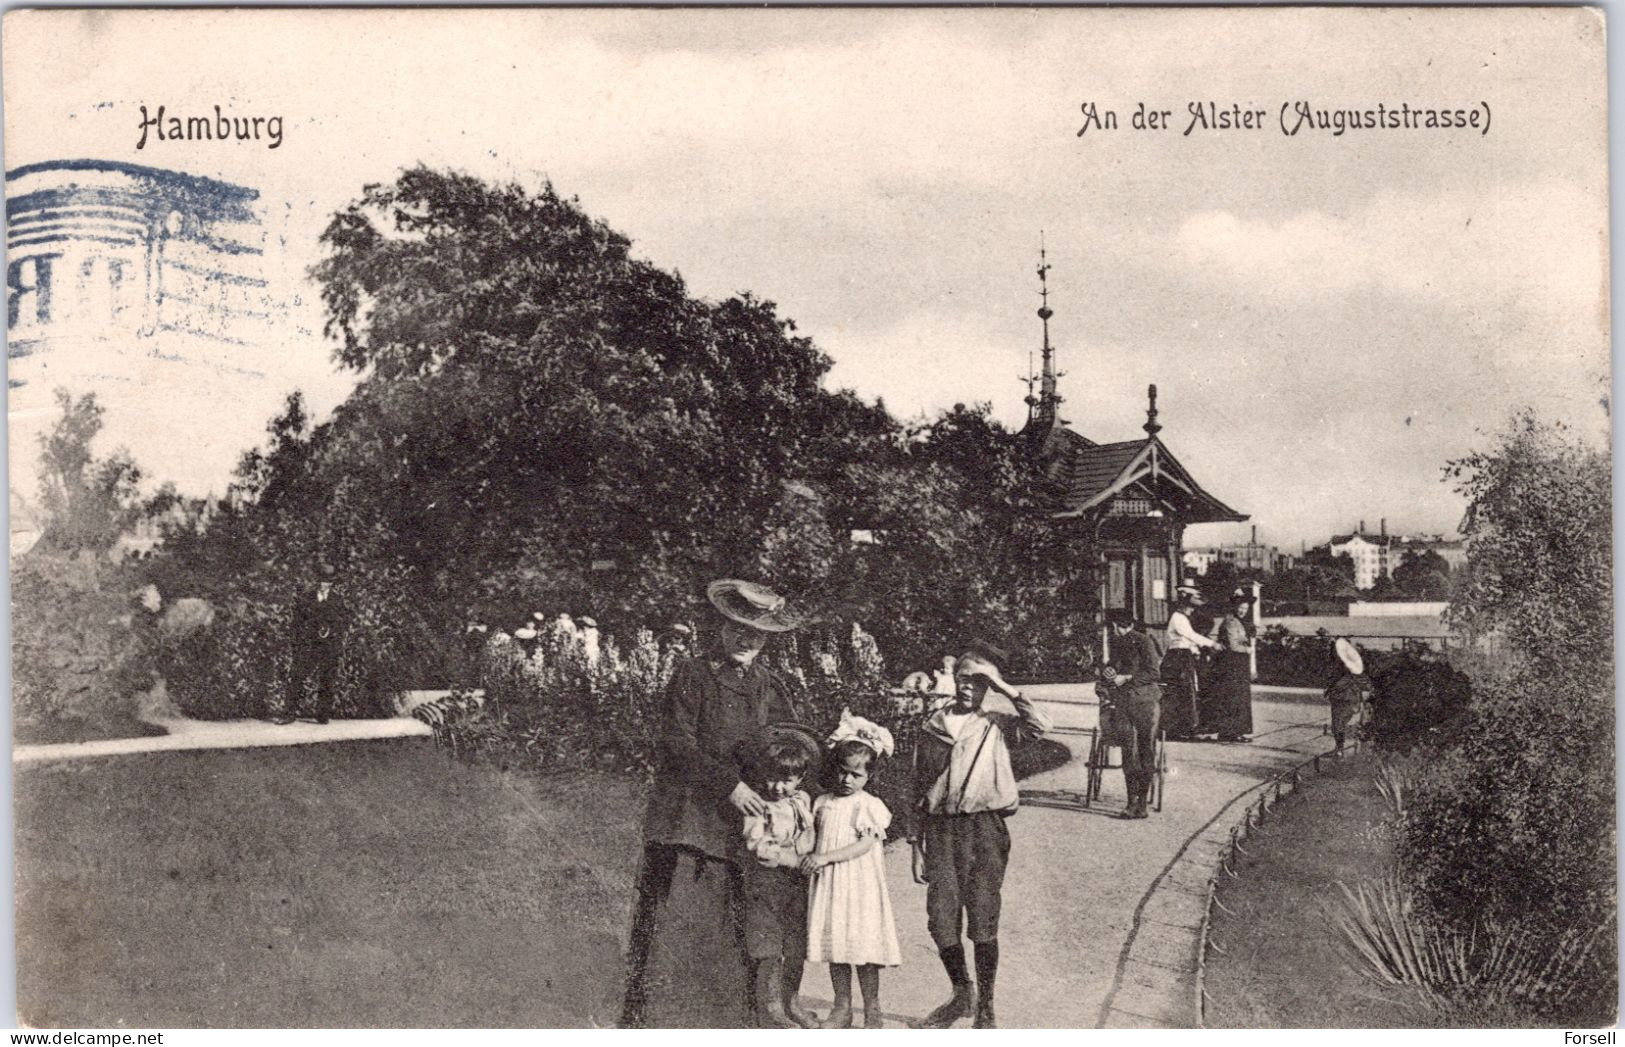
column 1151, row 426
column 1043, row 411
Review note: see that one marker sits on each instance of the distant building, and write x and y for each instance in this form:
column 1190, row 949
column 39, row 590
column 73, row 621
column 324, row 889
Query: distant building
column 1244, row 556
column 1452, row 550
column 1197, row 561
column 1370, row 553
column 1378, row 555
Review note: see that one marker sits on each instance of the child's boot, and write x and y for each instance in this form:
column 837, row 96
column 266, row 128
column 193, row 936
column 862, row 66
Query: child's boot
column 987, row 971
column 963, row 1002
column 770, row 995
column 792, row 993
column 840, row 979
column 869, row 981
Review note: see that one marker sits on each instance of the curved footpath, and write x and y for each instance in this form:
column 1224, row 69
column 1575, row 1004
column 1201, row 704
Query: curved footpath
column 1102, row 917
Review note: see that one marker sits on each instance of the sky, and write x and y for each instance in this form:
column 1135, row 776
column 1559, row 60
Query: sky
column 1328, row 319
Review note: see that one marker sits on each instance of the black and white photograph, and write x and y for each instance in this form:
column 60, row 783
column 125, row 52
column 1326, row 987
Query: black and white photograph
column 810, row 517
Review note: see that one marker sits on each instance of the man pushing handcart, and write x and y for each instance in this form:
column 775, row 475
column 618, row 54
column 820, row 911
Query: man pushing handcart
column 1130, row 708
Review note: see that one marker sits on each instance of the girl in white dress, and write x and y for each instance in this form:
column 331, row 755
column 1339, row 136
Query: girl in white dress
column 849, row 914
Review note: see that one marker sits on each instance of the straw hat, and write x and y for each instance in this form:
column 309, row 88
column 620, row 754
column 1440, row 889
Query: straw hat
column 1349, row 655
column 1190, row 594
column 796, row 734
column 754, row 605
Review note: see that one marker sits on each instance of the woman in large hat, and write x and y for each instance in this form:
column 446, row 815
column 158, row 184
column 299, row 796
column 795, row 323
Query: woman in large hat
column 1183, row 645
column 687, row 966
column 1227, row 700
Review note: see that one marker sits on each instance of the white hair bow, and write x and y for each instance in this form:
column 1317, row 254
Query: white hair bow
column 866, row 732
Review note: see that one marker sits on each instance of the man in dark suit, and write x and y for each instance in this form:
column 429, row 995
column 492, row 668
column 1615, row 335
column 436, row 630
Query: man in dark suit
column 1137, row 696
column 318, row 629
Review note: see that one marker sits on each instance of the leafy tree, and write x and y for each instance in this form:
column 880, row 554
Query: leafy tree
column 1515, row 827
column 1328, row 575
column 79, row 654
column 1424, row 576
column 545, row 422
column 1014, row 577
column 548, row 402
column 88, row 504
column 1222, row 580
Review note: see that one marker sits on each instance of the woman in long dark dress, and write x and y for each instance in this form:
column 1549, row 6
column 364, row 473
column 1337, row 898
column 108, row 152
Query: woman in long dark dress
column 1227, row 701
column 687, row 966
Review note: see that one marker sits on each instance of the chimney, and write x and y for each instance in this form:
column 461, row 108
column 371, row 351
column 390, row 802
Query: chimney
column 1254, row 540
column 1385, row 526
column 1362, row 527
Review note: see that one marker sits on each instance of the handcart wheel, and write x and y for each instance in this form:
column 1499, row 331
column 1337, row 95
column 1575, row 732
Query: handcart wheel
column 1162, row 766
column 1091, row 785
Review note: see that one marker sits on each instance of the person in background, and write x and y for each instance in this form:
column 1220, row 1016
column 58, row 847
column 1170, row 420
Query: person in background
column 1184, row 644
column 1136, row 696
column 319, row 617
column 1227, row 700
column 475, row 636
column 964, row 788
column 587, row 630
column 942, row 682
column 1348, row 693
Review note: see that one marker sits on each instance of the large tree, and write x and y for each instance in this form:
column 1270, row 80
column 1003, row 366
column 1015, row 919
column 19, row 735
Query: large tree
column 544, row 421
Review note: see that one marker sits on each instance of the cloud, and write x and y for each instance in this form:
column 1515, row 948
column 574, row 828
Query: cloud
column 1535, row 246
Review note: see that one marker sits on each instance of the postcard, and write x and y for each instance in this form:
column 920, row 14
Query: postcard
column 673, row 517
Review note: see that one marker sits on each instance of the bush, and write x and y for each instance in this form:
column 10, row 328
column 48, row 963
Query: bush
column 241, row 662
column 560, row 707
column 1419, row 698
column 554, row 708
column 1517, row 825
column 1288, row 660
column 81, row 637
column 77, row 650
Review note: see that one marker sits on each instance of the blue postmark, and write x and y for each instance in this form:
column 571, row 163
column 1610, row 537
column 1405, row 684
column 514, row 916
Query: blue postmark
column 116, row 252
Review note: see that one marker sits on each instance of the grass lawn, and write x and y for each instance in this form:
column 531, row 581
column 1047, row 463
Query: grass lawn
column 1281, row 966
column 357, row 884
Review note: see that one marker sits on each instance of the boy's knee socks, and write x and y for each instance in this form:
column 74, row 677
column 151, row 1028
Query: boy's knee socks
column 953, row 961
column 987, row 967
